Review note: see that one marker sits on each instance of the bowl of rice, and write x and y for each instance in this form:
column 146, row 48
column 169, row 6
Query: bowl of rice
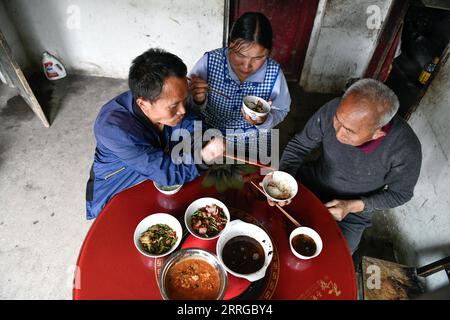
column 280, row 186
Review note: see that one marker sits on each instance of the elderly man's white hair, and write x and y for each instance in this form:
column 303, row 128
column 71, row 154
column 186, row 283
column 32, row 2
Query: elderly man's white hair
column 377, row 94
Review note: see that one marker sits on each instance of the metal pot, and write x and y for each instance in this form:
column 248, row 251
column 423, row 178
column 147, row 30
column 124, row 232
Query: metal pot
column 193, row 253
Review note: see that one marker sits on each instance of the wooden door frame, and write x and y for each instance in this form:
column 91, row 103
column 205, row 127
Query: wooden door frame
column 226, row 21
column 313, row 41
column 383, row 55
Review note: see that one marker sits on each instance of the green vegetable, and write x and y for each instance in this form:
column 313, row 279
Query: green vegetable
column 158, row 239
column 226, row 176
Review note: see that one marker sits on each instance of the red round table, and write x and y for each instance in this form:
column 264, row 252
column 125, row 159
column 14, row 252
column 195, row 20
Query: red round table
column 110, row 267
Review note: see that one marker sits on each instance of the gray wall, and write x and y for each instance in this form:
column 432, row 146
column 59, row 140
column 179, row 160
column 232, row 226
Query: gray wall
column 101, row 37
column 12, row 37
column 421, row 228
column 342, row 43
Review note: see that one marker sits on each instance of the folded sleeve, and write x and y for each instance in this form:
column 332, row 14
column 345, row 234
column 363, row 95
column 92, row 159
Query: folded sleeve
column 148, row 160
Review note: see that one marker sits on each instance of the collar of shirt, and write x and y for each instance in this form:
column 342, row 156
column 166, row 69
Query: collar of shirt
column 163, row 136
column 258, row 76
column 372, row 145
column 142, row 117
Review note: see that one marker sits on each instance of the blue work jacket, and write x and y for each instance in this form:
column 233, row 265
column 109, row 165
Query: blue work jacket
column 130, row 150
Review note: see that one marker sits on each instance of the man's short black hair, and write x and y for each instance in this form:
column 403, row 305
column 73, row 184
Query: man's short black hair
column 149, row 70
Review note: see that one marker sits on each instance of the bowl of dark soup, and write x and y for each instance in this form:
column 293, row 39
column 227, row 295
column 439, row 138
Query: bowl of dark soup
column 245, row 250
column 305, row 243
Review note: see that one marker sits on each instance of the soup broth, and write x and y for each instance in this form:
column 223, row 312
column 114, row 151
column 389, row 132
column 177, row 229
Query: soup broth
column 192, row 279
column 243, row 255
column 304, row 245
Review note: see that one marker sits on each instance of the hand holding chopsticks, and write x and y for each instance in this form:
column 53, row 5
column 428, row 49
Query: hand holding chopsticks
column 199, row 87
column 215, row 150
column 295, row 222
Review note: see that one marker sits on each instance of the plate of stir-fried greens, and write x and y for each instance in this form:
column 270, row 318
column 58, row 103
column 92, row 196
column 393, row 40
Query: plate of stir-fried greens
column 158, row 239
column 158, row 235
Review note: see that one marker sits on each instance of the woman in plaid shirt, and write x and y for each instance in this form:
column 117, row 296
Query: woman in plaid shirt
column 241, row 69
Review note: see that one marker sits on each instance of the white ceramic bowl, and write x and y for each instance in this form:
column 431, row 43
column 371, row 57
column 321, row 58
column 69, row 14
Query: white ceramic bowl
column 190, row 253
column 151, row 220
column 203, row 202
column 240, row 228
column 311, row 233
column 169, row 190
column 254, row 99
column 284, row 180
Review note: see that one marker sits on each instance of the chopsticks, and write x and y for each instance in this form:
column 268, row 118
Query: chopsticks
column 218, row 92
column 248, row 161
column 295, row 222
column 213, row 90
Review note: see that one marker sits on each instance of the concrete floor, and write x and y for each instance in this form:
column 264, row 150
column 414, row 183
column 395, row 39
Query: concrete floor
column 44, row 174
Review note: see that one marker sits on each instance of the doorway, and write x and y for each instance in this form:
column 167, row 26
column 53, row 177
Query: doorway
column 410, row 50
column 292, row 22
column 425, row 35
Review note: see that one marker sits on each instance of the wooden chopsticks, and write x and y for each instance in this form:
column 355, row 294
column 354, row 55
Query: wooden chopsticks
column 295, row 222
column 248, row 161
column 213, row 90
column 218, row 92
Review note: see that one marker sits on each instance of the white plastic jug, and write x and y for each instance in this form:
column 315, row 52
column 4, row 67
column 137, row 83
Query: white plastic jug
column 53, row 68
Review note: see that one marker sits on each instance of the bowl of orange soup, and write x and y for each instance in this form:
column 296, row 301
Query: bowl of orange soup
column 193, row 274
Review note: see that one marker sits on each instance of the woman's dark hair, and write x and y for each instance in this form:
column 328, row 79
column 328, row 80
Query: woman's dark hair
column 150, row 69
column 252, row 27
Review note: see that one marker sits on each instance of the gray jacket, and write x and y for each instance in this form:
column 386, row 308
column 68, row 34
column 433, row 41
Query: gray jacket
column 384, row 178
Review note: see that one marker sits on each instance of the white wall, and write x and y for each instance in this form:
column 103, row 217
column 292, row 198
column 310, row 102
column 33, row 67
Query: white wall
column 101, row 37
column 341, row 43
column 426, row 222
column 421, row 228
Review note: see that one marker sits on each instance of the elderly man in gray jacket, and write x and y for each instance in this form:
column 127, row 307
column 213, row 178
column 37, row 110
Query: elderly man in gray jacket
column 370, row 157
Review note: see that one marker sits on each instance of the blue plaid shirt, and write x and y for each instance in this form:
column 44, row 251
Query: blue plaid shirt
column 268, row 82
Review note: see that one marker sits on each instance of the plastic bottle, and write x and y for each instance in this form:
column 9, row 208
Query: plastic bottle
column 53, row 68
column 428, row 70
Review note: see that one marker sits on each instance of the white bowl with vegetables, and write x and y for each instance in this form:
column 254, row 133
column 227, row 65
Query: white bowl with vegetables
column 158, row 235
column 206, row 218
column 255, row 106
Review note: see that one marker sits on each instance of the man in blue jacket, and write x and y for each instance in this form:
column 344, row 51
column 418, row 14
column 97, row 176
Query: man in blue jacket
column 134, row 132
